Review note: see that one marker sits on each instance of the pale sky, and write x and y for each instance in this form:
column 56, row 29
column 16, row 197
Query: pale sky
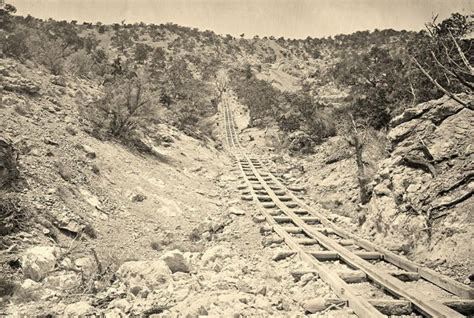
column 288, row 18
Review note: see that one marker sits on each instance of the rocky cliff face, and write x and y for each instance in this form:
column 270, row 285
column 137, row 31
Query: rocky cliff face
column 422, row 197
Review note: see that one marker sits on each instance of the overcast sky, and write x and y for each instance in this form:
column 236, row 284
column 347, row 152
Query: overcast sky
column 288, row 18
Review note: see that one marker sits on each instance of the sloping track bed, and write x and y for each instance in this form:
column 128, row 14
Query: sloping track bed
column 371, row 280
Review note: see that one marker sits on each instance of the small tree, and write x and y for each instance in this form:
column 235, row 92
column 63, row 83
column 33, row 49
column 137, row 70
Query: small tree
column 355, row 135
column 5, row 16
column 141, row 52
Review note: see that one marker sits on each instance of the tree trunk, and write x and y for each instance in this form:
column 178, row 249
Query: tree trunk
column 361, row 177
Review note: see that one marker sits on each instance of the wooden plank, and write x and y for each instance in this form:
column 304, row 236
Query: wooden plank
column 369, row 255
column 293, row 229
column 346, row 242
column 282, row 219
column 264, row 198
column 306, row 241
column 405, row 276
column 310, row 219
column 392, row 307
column 352, row 277
column 300, row 212
column 298, row 273
column 332, row 255
column 325, row 255
column 464, row 306
column 455, row 287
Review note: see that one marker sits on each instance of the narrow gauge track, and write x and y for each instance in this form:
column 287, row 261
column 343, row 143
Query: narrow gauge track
column 342, row 260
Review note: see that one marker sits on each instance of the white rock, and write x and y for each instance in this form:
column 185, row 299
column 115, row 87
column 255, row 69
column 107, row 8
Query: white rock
column 62, row 281
column 215, row 252
column 90, row 152
column 315, row 305
column 175, row 261
column 79, row 309
column 143, row 276
column 87, row 265
column 29, row 291
column 115, row 313
column 236, row 211
column 38, row 261
column 121, row 304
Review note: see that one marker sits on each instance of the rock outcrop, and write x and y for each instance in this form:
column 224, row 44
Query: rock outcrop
column 423, row 192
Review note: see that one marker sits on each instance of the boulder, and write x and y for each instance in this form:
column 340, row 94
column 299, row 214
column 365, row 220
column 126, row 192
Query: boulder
column 79, row 309
column 86, row 265
column 29, row 291
column 282, row 254
column 236, row 211
column 175, row 261
column 38, row 261
column 90, row 152
column 121, row 304
column 215, row 252
column 319, row 304
column 114, row 313
column 140, row 277
column 59, row 80
column 442, row 109
column 62, row 281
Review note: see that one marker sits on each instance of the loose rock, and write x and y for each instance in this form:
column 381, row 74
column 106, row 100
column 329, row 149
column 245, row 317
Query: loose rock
column 38, row 261
column 176, row 261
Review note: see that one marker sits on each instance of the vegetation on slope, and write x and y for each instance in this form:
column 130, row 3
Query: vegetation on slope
column 152, row 73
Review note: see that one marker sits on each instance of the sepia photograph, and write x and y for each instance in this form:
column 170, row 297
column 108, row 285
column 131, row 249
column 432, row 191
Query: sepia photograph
column 236, row 158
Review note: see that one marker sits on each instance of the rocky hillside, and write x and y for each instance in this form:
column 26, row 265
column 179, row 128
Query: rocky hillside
column 422, row 196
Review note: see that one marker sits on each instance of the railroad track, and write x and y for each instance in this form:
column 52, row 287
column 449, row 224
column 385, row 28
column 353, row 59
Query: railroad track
column 348, row 264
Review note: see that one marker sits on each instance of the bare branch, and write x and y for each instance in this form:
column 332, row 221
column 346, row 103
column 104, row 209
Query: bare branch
column 461, row 54
column 453, row 73
column 441, row 88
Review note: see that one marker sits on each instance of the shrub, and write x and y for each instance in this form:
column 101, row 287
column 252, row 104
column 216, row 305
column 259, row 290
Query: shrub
column 14, row 216
column 80, row 63
column 49, row 52
column 15, row 44
column 127, row 104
